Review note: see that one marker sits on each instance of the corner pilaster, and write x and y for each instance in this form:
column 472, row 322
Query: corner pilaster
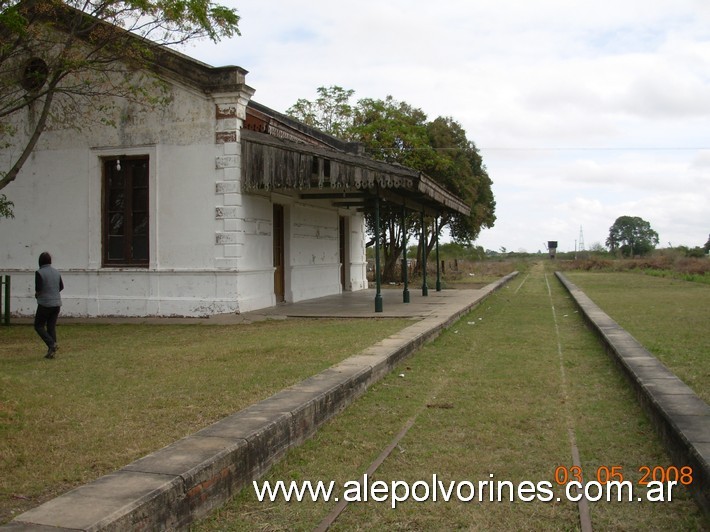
column 230, row 113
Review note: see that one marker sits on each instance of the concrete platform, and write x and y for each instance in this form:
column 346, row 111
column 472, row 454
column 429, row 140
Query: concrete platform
column 680, row 417
column 360, row 304
column 172, row 487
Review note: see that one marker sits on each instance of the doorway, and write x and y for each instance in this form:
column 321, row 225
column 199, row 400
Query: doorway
column 343, row 242
column 278, row 244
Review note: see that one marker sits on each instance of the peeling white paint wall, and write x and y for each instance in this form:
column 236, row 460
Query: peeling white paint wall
column 210, row 245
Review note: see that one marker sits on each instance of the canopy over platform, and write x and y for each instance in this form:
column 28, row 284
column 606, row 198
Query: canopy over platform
column 279, row 153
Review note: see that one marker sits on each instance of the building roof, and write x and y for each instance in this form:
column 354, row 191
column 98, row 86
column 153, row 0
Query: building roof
column 164, row 61
column 280, row 153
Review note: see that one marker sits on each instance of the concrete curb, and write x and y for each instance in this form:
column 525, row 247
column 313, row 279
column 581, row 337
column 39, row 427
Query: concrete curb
column 183, row 482
column 680, row 417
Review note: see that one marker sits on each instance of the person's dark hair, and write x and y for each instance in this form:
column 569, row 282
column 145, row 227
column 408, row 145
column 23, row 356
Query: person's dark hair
column 44, row 258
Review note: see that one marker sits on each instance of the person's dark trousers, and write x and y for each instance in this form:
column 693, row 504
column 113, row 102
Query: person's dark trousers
column 46, row 324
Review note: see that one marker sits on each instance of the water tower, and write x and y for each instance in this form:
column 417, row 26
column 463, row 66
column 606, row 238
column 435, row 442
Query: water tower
column 552, row 248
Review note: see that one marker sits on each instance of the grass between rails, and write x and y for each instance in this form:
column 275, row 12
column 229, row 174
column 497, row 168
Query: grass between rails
column 494, row 395
column 668, row 316
column 118, row 392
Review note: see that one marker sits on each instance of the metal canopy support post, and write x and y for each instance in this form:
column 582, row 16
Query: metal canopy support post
column 438, row 267
column 378, row 283
column 425, row 288
column 405, row 272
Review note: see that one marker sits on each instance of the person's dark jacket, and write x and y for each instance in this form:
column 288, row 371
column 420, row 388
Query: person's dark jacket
column 48, row 284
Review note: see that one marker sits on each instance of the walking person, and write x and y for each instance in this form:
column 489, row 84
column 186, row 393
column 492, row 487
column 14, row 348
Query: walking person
column 48, row 285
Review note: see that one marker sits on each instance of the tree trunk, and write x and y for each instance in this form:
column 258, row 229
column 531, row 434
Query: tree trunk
column 10, row 176
column 392, row 250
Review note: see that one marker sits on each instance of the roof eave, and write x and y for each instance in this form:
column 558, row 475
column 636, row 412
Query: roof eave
column 414, row 185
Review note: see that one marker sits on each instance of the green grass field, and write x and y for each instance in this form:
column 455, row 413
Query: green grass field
column 670, row 317
column 495, row 397
column 497, row 394
column 118, row 392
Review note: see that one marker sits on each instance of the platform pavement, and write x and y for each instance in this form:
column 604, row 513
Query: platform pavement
column 174, row 486
column 358, row 304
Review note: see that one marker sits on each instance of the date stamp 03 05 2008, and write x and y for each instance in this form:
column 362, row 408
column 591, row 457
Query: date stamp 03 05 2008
column 655, row 478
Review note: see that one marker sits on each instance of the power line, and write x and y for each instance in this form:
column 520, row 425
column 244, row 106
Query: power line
column 560, row 148
column 657, row 148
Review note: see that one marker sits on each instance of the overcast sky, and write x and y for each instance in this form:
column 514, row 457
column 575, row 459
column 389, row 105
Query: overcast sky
column 583, row 111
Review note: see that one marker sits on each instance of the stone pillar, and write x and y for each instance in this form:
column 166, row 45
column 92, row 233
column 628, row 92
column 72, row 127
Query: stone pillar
column 230, row 113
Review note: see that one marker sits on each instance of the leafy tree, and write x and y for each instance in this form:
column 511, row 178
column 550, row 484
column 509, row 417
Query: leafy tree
column 396, row 132
column 393, row 131
column 596, row 247
column 631, row 235
column 706, row 247
column 330, row 112
column 390, row 131
column 459, row 168
column 60, row 59
column 696, row 252
column 454, row 250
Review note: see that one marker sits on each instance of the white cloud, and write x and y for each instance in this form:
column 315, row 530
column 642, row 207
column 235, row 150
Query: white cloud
column 583, row 111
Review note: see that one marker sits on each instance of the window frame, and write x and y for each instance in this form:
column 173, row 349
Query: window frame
column 128, row 165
